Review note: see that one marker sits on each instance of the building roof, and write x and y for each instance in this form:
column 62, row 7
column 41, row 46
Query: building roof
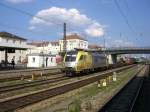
column 55, row 43
column 74, row 36
column 41, row 54
column 39, row 44
column 6, row 34
column 94, row 46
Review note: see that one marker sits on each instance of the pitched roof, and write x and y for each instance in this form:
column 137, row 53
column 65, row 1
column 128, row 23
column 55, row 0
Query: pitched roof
column 94, row 46
column 55, row 43
column 39, row 44
column 74, row 36
column 6, row 34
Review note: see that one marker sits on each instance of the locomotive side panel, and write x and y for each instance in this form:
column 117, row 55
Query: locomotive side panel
column 84, row 61
column 99, row 60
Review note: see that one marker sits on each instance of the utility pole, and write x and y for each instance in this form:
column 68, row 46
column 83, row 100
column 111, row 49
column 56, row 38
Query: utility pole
column 64, row 42
column 43, row 53
column 104, row 42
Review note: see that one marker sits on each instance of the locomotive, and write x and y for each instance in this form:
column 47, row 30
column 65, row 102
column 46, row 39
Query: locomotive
column 82, row 61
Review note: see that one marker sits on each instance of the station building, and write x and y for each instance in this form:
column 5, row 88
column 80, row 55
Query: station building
column 12, row 47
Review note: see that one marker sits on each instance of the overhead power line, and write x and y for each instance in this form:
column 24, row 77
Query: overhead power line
column 124, row 16
column 32, row 15
column 132, row 15
column 21, row 29
column 27, row 13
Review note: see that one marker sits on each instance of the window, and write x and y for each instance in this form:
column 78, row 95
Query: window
column 71, row 56
column 20, row 58
column 81, row 57
column 14, row 41
column 33, row 59
column 7, row 40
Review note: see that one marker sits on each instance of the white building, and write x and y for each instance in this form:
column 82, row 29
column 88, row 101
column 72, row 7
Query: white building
column 11, row 44
column 53, row 48
column 44, row 47
column 38, row 47
column 41, row 60
column 73, row 41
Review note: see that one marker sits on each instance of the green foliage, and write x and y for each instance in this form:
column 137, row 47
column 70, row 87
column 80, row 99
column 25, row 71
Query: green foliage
column 62, row 54
column 74, row 106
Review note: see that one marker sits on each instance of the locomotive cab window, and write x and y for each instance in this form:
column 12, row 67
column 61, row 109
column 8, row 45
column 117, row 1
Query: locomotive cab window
column 71, row 56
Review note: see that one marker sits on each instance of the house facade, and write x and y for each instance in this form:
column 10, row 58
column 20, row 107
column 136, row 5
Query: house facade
column 37, row 60
column 53, row 48
column 73, row 41
column 38, row 47
column 44, row 47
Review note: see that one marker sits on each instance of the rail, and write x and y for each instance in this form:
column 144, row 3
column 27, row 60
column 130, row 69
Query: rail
column 137, row 93
column 117, row 104
column 20, row 102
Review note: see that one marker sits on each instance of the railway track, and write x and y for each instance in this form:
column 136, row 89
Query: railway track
column 17, row 74
column 143, row 100
column 31, row 84
column 125, row 99
column 26, row 74
column 4, row 89
column 20, row 102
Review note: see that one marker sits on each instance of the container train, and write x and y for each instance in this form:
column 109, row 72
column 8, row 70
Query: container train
column 79, row 61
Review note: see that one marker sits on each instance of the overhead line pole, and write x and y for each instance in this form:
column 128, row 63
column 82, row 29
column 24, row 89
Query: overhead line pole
column 64, row 39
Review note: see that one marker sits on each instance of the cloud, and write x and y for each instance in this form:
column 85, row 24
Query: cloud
column 57, row 16
column 95, row 30
column 19, row 1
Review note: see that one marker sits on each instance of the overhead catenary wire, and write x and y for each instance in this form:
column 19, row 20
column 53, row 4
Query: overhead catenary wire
column 21, row 29
column 124, row 16
column 32, row 15
column 130, row 12
column 27, row 13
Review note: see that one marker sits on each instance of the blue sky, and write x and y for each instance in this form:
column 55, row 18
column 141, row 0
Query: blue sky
column 93, row 19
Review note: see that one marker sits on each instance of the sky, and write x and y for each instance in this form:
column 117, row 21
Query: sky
column 117, row 23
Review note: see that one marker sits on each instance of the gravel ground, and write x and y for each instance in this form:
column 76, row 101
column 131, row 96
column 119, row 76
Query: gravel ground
column 90, row 97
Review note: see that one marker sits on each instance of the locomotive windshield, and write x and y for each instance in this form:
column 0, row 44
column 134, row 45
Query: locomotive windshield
column 71, row 56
